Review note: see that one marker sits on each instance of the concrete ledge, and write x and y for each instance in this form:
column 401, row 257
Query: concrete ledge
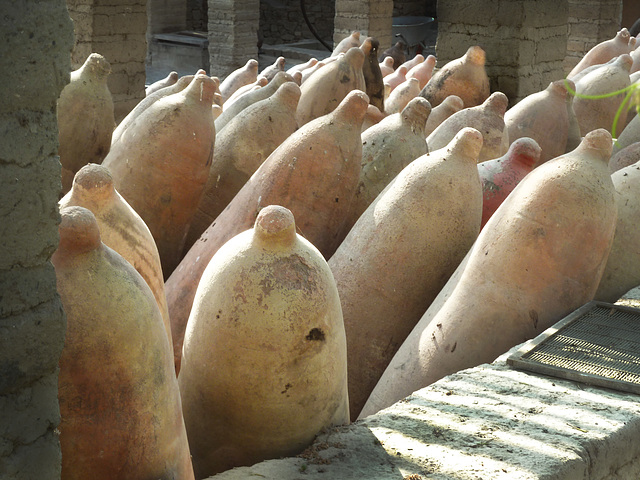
column 490, row 422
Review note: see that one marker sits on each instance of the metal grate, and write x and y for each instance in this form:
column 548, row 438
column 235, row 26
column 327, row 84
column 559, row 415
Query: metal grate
column 598, row 344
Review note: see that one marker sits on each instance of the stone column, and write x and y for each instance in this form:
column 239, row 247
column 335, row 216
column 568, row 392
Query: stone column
column 525, row 40
column 233, row 34
column 372, row 18
column 590, row 22
column 115, row 29
column 36, row 38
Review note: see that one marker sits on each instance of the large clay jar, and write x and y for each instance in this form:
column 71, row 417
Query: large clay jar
column 85, row 118
column 501, row 175
column 400, row 254
column 625, row 157
column 121, row 228
column 182, row 83
column 465, row 77
column 346, row 44
column 523, row 274
column 247, row 140
column 487, row 118
column 238, row 78
column 324, row 91
column 628, row 136
column 374, row 88
column 230, row 111
column 402, row 95
column 264, row 367
column 622, row 272
column 313, row 173
column 387, row 148
column 394, row 79
column 270, row 71
column 423, row 71
column 603, row 52
column 397, row 52
column 167, row 81
column 259, row 83
column 542, row 116
column 120, row 410
column 600, row 113
column 386, row 66
column 439, row 114
column 161, row 164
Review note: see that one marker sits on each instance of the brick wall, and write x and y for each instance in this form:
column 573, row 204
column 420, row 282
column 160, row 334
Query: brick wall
column 197, row 15
column 372, row 18
column 525, row 41
column 115, row 29
column 281, row 21
column 590, row 22
column 36, row 39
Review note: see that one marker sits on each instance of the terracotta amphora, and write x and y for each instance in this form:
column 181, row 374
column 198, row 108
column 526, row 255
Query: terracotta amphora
column 374, row 87
column 387, row 148
column 402, row 95
column 423, row 71
column 401, row 252
column 397, row 52
column 167, row 81
column 346, row 44
column 85, row 118
column 121, row 228
column 386, row 66
column 264, row 367
column 465, row 77
column 501, row 175
column 246, row 141
column 603, row 52
column 271, row 70
column 161, row 164
column 313, row 173
column 487, row 118
column 439, row 114
column 120, row 408
column 622, row 272
column 524, row 273
column 542, row 116
column 324, row 91
column 242, row 76
column 625, row 157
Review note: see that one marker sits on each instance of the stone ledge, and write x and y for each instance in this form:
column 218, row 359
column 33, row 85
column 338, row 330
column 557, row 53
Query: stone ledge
column 489, row 422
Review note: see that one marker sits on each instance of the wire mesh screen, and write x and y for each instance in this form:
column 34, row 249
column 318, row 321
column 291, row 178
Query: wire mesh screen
column 598, row 344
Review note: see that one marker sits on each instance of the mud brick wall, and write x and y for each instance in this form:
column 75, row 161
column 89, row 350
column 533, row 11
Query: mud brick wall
column 372, row 18
column 36, row 38
column 281, row 21
column 525, row 41
column 418, row 8
column 115, row 29
column 590, row 22
column 197, row 15
column 233, row 34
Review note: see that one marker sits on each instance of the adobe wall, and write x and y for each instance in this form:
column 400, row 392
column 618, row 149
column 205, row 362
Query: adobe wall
column 282, row 21
column 525, row 41
column 36, row 39
column 115, row 29
column 372, row 18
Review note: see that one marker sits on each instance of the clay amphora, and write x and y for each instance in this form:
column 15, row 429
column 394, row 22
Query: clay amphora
column 501, row 175
column 120, row 410
column 394, row 79
column 439, row 114
column 259, row 83
column 372, row 117
column 302, row 66
column 487, row 118
column 322, row 93
column 239, row 77
column 625, row 157
column 167, row 81
column 573, row 134
column 346, row 44
column 423, row 71
column 161, row 163
column 412, row 62
column 465, row 77
column 402, row 95
column 182, row 83
column 635, row 56
column 522, row 275
column 401, row 252
column 603, row 52
column 600, row 113
column 622, row 272
column 247, row 140
column 85, row 118
column 397, row 52
column 121, row 228
column 542, row 116
column 267, row 298
column 374, row 88
column 314, row 173
column 386, row 66
column 628, row 136
column 250, row 98
column 271, row 70
column 387, row 148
